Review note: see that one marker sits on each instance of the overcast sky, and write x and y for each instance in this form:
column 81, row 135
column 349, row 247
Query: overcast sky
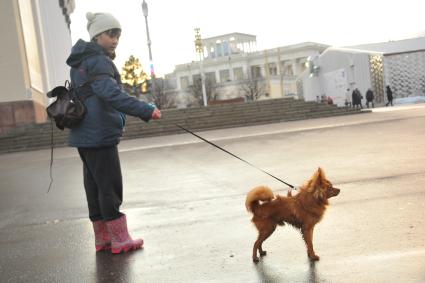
column 274, row 22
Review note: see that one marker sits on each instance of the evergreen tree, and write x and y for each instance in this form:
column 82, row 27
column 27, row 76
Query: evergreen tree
column 133, row 77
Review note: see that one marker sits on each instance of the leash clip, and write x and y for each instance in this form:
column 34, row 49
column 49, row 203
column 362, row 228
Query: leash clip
column 291, row 189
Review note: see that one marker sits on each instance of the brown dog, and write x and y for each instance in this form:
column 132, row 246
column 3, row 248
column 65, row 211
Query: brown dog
column 303, row 211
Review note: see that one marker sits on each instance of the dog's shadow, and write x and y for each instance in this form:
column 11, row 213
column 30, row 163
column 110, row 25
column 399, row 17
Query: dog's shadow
column 269, row 274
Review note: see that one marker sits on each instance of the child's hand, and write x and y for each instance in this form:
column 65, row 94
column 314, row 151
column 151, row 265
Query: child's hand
column 156, row 114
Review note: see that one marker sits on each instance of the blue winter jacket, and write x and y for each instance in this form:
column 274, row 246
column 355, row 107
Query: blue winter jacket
column 104, row 121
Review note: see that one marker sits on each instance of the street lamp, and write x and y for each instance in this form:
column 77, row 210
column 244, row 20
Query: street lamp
column 145, row 14
column 200, row 49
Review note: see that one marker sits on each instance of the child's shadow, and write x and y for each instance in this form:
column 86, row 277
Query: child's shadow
column 269, row 274
column 114, row 268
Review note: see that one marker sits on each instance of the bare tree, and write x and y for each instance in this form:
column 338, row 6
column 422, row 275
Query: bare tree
column 210, row 89
column 253, row 88
column 159, row 95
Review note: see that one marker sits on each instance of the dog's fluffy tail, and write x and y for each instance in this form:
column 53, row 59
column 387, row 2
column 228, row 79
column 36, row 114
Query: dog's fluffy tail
column 257, row 194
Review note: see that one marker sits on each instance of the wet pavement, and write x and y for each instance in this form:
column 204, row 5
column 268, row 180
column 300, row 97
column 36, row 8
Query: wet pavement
column 186, row 199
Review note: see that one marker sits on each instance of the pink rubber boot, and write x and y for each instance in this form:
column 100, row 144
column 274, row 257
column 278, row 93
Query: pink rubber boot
column 101, row 236
column 120, row 239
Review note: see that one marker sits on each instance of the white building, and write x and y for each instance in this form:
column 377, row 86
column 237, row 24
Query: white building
column 400, row 64
column 36, row 43
column 231, row 59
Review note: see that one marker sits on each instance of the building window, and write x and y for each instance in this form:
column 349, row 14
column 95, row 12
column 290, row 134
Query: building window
column 224, row 76
column 196, row 78
column 184, row 82
column 212, row 52
column 219, row 47
column 290, row 89
column 238, row 74
column 303, row 66
column 225, row 48
column 288, row 70
column 256, row 72
column 210, row 77
column 272, row 69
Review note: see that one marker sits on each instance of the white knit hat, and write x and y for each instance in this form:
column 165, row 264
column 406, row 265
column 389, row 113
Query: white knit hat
column 100, row 22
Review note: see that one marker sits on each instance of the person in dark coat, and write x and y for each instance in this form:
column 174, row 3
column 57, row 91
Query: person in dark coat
column 389, row 96
column 354, row 98
column 357, row 98
column 369, row 98
column 98, row 135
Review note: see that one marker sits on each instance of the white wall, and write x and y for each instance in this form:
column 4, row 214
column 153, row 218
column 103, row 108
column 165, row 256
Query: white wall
column 35, row 46
column 336, row 68
column 55, row 41
column 12, row 63
column 405, row 73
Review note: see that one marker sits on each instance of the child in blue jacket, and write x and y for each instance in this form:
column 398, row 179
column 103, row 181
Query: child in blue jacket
column 98, row 135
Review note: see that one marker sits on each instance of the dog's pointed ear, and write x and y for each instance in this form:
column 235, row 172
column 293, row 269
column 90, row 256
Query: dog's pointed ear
column 315, row 179
column 320, row 171
column 320, row 175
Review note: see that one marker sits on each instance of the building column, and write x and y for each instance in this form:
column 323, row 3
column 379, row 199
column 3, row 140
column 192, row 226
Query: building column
column 280, row 71
column 295, row 67
column 246, row 71
column 231, row 75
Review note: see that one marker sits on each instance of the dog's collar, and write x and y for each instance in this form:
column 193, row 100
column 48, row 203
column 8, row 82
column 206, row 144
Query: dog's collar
column 294, row 188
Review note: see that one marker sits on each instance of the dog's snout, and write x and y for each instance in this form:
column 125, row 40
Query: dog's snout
column 336, row 191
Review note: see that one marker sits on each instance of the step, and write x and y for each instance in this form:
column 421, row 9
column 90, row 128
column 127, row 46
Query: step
column 37, row 136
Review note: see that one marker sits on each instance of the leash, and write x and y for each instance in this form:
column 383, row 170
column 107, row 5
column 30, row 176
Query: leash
column 51, row 157
column 237, row 157
column 188, row 131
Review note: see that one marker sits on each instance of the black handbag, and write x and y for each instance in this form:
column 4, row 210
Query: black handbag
column 68, row 110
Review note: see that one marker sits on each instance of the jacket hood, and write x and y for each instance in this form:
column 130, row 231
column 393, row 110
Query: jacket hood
column 81, row 50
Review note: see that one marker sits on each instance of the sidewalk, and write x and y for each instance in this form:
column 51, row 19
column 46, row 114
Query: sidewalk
column 186, row 199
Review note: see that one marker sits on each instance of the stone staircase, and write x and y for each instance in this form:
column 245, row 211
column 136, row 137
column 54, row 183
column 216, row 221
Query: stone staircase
column 38, row 136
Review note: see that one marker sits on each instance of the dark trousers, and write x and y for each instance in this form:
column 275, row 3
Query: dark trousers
column 102, row 182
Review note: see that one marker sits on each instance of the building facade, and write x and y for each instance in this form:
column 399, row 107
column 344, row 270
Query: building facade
column 232, row 59
column 36, row 43
column 338, row 71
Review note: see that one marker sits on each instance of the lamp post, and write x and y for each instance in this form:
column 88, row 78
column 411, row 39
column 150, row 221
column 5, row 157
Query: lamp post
column 145, row 14
column 200, row 49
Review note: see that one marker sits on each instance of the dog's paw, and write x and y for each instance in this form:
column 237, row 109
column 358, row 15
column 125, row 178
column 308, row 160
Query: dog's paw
column 263, row 253
column 314, row 257
column 255, row 259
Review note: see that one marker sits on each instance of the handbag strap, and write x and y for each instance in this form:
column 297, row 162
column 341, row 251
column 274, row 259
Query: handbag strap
column 87, row 91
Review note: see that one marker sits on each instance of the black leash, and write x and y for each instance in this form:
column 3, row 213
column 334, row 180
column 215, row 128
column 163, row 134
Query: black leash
column 186, row 130
column 51, row 157
column 213, row 144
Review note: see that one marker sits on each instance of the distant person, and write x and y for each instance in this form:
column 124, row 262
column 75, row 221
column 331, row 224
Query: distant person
column 354, row 98
column 389, row 96
column 329, row 100
column 369, row 98
column 347, row 98
column 357, row 98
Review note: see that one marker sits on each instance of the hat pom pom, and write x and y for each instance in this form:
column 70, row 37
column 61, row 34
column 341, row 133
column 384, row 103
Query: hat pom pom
column 90, row 16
